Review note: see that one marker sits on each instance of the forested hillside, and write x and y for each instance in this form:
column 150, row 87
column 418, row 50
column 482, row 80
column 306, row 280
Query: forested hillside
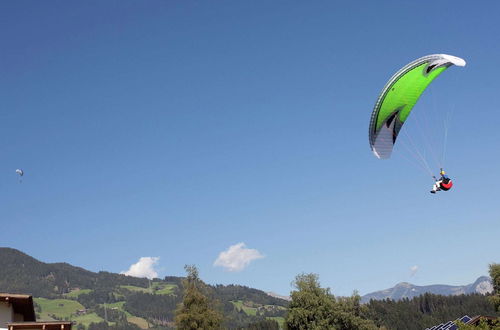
column 21, row 273
column 66, row 292
column 113, row 301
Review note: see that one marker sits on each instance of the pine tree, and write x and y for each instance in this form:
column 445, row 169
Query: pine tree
column 195, row 311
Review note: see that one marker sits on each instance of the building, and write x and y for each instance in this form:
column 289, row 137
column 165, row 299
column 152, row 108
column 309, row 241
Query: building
column 17, row 313
column 466, row 320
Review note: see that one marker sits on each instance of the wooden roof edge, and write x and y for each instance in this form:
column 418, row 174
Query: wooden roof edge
column 15, row 295
column 41, row 323
column 478, row 317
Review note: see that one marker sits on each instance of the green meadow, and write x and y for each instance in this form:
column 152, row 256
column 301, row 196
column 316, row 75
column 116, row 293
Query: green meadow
column 60, row 308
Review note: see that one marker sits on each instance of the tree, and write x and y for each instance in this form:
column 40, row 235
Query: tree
column 195, row 311
column 311, row 305
column 350, row 314
column 314, row 307
column 495, row 278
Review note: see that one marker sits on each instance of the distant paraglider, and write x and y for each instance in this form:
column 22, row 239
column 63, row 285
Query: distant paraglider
column 20, row 174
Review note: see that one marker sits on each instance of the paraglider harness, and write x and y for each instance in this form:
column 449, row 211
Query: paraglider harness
column 444, row 183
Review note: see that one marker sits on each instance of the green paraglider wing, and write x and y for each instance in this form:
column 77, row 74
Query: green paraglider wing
column 399, row 96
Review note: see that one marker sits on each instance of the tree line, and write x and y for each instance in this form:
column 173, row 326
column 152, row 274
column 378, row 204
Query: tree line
column 315, row 307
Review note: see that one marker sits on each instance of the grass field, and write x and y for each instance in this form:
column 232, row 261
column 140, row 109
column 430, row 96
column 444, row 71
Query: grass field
column 156, row 288
column 164, row 288
column 139, row 321
column 278, row 319
column 118, row 305
column 87, row 319
column 66, row 309
column 61, row 308
column 248, row 310
column 135, row 288
column 253, row 311
column 76, row 293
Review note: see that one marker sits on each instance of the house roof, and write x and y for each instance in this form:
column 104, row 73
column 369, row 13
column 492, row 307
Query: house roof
column 476, row 319
column 464, row 319
column 21, row 303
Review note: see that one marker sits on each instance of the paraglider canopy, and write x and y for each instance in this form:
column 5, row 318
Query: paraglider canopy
column 20, row 173
column 398, row 97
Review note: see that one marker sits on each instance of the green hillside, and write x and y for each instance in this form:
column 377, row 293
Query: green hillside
column 57, row 309
column 76, row 292
column 107, row 301
column 65, row 292
column 24, row 274
column 154, row 288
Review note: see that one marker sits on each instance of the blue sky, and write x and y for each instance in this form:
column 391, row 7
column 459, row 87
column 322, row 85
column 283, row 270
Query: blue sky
column 176, row 129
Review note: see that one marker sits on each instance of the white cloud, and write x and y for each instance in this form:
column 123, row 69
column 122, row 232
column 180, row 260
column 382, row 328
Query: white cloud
column 237, row 257
column 413, row 270
column 145, row 267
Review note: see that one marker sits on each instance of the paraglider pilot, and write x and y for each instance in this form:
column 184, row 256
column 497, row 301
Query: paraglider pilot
column 444, row 183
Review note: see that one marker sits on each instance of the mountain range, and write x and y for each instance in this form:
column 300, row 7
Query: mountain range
column 403, row 290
